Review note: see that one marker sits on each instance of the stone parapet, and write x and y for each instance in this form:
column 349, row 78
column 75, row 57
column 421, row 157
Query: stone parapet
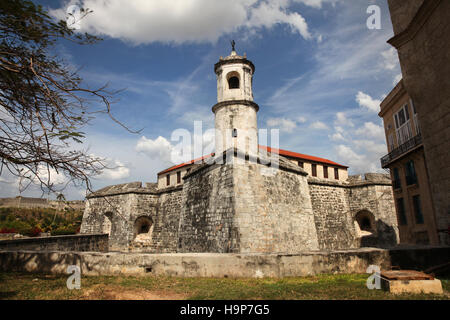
column 79, row 242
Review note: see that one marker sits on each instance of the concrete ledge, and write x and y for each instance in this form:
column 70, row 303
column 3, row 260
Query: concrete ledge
column 202, row 264
column 412, row 286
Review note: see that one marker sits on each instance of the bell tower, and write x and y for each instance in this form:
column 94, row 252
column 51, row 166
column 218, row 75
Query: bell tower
column 235, row 111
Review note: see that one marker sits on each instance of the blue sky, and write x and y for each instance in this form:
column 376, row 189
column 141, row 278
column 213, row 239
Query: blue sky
column 320, row 76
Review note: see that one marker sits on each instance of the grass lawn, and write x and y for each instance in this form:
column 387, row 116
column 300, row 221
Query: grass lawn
column 349, row 286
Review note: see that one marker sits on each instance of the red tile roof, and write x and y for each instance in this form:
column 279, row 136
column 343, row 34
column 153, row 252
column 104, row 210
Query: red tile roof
column 300, row 156
column 282, row 152
column 186, row 163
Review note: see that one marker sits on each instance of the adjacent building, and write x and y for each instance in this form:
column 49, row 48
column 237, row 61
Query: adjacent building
column 421, row 37
column 407, row 165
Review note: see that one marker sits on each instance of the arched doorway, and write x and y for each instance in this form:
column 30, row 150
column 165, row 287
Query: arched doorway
column 365, row 223
column 366, row 230
column 143, row 228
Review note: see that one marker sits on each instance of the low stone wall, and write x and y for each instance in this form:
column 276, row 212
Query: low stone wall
column 222, row 265
column 79, row 242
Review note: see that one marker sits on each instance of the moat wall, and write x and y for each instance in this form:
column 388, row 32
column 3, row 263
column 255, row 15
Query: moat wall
column 223, row 264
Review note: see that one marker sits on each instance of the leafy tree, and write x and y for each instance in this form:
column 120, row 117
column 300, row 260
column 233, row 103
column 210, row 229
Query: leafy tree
column 43, row 104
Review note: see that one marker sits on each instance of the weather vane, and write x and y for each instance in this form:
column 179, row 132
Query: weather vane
column 232, row 45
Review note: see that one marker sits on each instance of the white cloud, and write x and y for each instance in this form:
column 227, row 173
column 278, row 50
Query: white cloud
column 366, row 101
column 316, row 3
column 267, row 14
column 337, row 136
column 343, row 120
column 390, row 59
column 117, row 171
column 371, row 146
column 283, row 124
column 397, row 79
column 160, row 148
column 319, row 125
column 371, row 130
column 178, row 21
column 358, row 162
column 184, row 149
column 301, row 119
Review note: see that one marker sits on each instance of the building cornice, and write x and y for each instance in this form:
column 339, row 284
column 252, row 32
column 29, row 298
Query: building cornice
column 421, row 17
column 235, row 102
column 233, row 61
column 392, row 97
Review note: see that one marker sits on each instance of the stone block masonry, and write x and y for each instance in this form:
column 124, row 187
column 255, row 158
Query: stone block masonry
column 221, row 264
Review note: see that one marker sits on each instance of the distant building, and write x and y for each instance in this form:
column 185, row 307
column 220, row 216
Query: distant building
column 407, row 165
column 31, row 203
column 421, row 38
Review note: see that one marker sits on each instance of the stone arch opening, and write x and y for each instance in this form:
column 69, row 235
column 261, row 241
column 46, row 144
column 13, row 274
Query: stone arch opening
column 107, row 223
column 143, row 228
column 365, row 223
column 233, row 80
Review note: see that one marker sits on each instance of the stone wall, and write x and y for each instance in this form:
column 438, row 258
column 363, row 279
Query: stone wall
column 421, row 38
column 335, row 229
column 246, row 208
column 85, row 242
column 223, row 265
column 273, row 209
column 165, row 234
column 116, row 212
column 337, row 205
column 207, row 221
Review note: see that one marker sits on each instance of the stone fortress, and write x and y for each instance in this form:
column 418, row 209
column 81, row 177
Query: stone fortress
column 236, row 201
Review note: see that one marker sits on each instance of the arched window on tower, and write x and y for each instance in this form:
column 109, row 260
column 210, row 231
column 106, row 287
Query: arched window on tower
column 233, row 82
column 233, row 78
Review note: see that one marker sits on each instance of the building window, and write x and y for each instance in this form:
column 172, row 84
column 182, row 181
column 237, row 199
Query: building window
column 415, row 117
column 234, row 134
column 325, row 172
column 168, row 180
column 391, row 142
column 397, row 183
column 417, row 209
column 401, row 212
column 402, row 125
column 336, row 173
column 233, row 83
column 314, row 170
column 179, row 177
column 411, row 177
column 300, row 164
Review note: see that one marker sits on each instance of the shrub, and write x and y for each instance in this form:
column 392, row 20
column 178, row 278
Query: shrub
column 64, row 231
column 34, row 232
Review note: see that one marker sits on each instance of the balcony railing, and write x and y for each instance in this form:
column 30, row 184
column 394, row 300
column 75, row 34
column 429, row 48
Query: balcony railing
column 404, row 148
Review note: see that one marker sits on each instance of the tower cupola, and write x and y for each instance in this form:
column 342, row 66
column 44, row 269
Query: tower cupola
column 234, row 77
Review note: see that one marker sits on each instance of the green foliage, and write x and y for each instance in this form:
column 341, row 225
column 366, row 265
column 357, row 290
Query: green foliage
column 25, row 221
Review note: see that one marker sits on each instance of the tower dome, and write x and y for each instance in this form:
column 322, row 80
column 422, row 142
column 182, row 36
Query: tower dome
column 235, row 111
